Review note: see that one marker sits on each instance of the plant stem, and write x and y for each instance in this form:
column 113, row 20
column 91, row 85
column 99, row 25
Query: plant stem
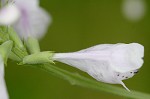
column 76, row 79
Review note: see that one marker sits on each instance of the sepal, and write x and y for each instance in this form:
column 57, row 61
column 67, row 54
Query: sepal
column 5, row 50
column 38, row 58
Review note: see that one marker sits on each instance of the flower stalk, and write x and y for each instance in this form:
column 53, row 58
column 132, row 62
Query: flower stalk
column 76, row 79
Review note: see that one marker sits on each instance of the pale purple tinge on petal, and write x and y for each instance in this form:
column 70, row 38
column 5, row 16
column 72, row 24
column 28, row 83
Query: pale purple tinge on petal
column 34, row 20
column 9, row 15
column 109, row 63
column 3, row 89
column 134, row 10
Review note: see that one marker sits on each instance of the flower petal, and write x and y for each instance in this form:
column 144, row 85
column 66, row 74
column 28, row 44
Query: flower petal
column 9, row 14
column 33, row 23
column 98, row 47
column 109, row 63
column 28, row 4
column 124, row 57
column 127, row 57
column 101, row 47
column 98, row 68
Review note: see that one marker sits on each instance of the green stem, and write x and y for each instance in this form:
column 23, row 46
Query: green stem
column 76, row 79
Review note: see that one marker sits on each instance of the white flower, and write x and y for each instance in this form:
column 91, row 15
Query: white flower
column 134, row 10
column 9, row 14
column 109, row 63
column 34, row 20
column 3, row 90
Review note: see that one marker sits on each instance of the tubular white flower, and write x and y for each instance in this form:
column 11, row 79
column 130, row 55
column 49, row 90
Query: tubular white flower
column 34, row 20
column 9, row 14
column 3, row 90
column 109, row 63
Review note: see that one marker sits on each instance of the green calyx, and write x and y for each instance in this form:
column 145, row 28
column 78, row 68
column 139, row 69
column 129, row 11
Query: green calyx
column 15, row 38
column 3, row 34
column 38, row 58
column 18, row 50
column 5, row 50
column 32, row 45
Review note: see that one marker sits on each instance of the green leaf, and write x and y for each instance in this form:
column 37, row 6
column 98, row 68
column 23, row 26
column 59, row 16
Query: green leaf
column 76, row 79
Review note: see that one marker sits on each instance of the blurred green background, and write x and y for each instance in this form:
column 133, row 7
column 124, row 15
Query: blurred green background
column 79, row 24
